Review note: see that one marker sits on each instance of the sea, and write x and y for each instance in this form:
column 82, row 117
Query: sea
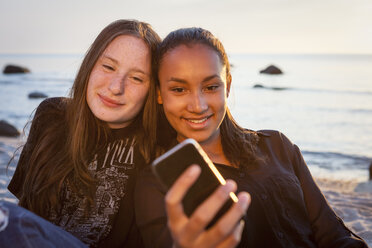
column 322, row 103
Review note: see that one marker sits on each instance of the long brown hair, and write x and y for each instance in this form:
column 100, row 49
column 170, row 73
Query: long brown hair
column 50, row 165
column 238, row 144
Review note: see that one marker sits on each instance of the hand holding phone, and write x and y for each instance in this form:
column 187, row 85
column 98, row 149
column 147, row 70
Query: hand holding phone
column 190, row 231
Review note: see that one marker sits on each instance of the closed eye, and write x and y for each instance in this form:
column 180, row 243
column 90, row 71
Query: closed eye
column 138, row 79
column 108, row 67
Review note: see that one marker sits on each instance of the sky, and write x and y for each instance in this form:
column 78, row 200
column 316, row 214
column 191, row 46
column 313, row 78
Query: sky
column 244, row 26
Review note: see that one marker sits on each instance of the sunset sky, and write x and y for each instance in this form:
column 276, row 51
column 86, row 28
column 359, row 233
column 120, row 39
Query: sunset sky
column 244, row 26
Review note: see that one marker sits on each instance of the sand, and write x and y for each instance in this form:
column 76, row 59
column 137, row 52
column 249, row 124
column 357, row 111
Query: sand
column 351, row 200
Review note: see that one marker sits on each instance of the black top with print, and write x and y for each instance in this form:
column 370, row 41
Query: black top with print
column 110, row 221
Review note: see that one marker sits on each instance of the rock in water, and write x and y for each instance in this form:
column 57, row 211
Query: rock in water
column 8, row 130
column 258, row 86
column 272, row 69
column 10, row 69
column 36, row 94
column 261, row 86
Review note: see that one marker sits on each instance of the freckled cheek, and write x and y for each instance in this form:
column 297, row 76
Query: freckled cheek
column 137, row 93
column 95, row 83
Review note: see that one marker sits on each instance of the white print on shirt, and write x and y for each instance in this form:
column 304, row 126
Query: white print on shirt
column 111, row 170
column 116, row 151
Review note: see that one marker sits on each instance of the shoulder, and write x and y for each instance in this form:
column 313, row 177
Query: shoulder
column 275, row 140
column 50, row 112
column 273, row 135
column 51, row 108
column 277, row 147
column 53, row 103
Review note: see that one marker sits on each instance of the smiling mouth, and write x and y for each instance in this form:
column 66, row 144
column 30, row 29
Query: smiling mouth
column 109, row 101
column 198, row 121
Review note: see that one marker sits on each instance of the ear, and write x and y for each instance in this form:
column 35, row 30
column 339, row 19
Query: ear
column 228, row 85
column 160, row 100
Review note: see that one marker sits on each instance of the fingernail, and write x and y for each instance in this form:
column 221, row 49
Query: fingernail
column 244, row 199
column 230, row 186
column 193, row 170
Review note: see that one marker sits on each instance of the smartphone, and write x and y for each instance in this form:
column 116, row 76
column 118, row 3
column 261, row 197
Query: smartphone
column 169, row 166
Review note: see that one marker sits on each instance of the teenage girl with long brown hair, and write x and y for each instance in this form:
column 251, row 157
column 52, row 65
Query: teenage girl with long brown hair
column 78, row 167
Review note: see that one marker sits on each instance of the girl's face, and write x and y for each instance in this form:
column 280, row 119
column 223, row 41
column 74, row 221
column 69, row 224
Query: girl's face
column 119, row 82
column 193, row 91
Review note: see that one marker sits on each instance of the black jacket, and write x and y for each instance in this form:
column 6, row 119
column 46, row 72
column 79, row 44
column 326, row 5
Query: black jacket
column 287, row 208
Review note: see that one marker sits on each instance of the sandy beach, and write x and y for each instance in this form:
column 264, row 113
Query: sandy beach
column 351, row 200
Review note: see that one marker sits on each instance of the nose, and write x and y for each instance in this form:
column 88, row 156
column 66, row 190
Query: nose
column 117, row 85
column 197, row 103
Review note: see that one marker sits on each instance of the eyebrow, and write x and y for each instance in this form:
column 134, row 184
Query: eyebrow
column 110, row 58
column 179, row 80
column 117, row 62
column 210, row 78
